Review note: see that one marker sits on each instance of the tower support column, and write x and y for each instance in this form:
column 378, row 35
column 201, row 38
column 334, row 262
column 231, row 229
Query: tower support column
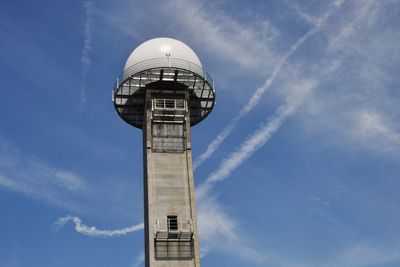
column 171, row 235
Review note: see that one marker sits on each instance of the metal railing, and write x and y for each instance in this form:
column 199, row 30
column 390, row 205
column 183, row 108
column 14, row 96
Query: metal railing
column 169, row 104
column 183, row 225
column 155, row 63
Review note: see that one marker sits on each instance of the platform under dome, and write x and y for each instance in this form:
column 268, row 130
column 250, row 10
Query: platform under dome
column 163, row 63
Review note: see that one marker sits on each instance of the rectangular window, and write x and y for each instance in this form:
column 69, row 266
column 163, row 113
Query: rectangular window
column 172, row 223
column 170, row 103
column 169, row 138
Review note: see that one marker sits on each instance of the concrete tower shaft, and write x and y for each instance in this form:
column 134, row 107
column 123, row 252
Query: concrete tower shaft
column 170, row 208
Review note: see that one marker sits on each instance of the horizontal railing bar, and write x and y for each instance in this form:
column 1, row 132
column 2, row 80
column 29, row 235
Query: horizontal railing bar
column 162, row 63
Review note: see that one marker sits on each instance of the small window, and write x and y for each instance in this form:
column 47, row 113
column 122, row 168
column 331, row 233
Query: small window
column 159, row 103
column 172, row 223
column 169, row 103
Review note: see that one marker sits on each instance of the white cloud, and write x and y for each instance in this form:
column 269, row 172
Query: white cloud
column 215, row 224
column 373, row 125
column 37, row 178
column 319, row 200
column 218, row 231
column 243, row 45
column 256, row 97
column 92, row 230
column 139, row 259
column 214, row 145
column 258, row 138
column 300, row 11
column 360, row 105
column 338, row 3
column 34, row 173
column 364, row 14
column 207, row 25
column 362, row 123
column 364, row 254
column 68, row 180
column 8, row 183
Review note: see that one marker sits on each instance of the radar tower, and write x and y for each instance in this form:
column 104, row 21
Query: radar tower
column 164, row 90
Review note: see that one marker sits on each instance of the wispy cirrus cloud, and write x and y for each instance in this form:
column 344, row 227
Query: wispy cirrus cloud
column 205, row 25
column 92, row 230
column 55, row 177
column 258, row 138
column 224, row 36
column 37, row 178
column 139, row 259
column 52, row 182
column 362, row 102
column 376, row 129
column 365, row 124
column 364, row 254
column 255, row 98
column 319, row 200
column 301, row 12
column 216, row 227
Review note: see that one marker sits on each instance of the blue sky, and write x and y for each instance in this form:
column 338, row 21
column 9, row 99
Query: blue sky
column 298, row 164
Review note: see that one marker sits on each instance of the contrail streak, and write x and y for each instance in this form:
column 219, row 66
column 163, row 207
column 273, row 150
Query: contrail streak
column 260, row 137
column 87, row 47
column 257, row 139
column 255, row 99
column 92, row 230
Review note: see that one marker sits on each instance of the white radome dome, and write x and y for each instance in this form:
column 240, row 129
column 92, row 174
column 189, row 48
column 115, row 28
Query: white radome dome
column 162, row 48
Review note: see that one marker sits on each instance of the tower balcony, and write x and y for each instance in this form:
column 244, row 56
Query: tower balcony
column 169, row 110
column 173, row 229
column 129, row 94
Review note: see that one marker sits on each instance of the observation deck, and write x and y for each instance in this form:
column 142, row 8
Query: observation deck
column 167, row 75
column 173, row 229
